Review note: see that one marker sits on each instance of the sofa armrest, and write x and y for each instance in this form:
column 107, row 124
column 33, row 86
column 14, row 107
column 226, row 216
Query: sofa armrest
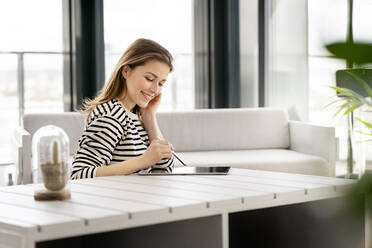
column 314, row 140
column 22, row 157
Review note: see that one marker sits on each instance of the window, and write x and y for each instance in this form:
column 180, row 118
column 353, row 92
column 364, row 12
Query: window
column 31, row 38
column 287, row 83
column 167, row 22
column 248, row 28
column 324, row 29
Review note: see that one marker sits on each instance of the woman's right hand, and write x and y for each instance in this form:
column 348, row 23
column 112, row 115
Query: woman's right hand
column 158, row 150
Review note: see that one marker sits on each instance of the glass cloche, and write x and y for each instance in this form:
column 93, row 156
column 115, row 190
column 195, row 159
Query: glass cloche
column 50, row 152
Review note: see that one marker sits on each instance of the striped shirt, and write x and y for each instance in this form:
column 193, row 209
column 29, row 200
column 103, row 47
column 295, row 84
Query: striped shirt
column 112, row 134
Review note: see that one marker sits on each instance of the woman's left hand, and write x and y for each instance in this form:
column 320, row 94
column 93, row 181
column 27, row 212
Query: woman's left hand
column 152, row 106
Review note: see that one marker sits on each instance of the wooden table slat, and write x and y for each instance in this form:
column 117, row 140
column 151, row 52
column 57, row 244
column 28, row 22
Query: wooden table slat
column 134, row 209
column 65, row 208
column 36, row 217
column 292, row 176
column 133, row 196
column 6, row 222
column 221, row 182
column 162, row 191
column 183, row 185
column 270, row 181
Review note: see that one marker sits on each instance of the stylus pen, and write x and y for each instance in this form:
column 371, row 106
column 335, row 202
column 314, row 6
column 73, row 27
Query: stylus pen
column 174, row 154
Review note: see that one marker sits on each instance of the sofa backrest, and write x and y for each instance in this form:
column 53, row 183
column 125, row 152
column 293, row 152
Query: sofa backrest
column 226, row 129
column 198, row 130
column 72, row 123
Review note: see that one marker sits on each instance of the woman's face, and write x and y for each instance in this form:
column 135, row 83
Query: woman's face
column 144, row 82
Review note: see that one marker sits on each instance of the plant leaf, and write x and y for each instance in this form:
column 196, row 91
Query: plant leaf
column 339, row 90
column 360, row 53
column 367, row 124
column 342, row 107
column 363, row 82
column 332, row 103
column 351, row 109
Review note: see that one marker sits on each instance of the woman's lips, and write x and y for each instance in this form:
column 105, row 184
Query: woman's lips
column 148, row 97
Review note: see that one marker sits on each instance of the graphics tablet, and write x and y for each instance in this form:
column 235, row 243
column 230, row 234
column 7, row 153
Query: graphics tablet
column 188, row 170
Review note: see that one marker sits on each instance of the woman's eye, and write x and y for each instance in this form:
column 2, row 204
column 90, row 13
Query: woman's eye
column 149, row 79
column 161, row 84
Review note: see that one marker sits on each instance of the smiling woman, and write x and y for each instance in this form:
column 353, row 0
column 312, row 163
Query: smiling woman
column 122, row 135
column 143, row 82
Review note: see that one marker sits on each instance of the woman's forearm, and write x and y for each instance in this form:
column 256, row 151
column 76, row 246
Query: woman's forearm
column 150, row 123
column 122, row 168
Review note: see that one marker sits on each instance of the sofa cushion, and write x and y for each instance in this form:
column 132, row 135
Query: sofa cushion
column 280, row 160
column 226, row 129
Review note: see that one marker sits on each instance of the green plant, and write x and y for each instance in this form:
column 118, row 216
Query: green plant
column 348, row 101
column 360, row 54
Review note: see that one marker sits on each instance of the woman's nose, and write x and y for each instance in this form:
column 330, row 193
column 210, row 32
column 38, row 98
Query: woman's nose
column 155, row 88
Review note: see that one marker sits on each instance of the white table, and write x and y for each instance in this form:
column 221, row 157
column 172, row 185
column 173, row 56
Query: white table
column 184, row 204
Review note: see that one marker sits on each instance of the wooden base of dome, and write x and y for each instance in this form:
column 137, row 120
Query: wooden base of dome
column 47, row 195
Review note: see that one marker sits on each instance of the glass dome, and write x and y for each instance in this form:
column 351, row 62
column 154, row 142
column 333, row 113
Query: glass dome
column 50, row 152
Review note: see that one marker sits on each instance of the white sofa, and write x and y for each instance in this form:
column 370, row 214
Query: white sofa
column 253, row 138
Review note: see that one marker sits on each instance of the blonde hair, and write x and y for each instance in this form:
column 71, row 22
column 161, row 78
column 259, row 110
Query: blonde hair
column 137, row 54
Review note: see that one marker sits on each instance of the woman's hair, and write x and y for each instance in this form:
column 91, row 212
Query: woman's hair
column 137, row 54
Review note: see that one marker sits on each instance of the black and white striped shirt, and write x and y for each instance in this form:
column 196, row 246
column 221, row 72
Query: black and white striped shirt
column 112, row 134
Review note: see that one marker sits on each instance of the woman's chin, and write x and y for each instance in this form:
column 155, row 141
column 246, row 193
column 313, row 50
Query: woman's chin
column 143, row 104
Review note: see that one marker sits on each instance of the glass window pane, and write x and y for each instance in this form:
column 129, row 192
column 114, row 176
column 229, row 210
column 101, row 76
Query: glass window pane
column 8, row 103
column 322, row 75
column 248, row 28
column 43, row 83
column 167, row 22
column 31, row 25
column 287, row 84
column 327, row 24
column 362, row 18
